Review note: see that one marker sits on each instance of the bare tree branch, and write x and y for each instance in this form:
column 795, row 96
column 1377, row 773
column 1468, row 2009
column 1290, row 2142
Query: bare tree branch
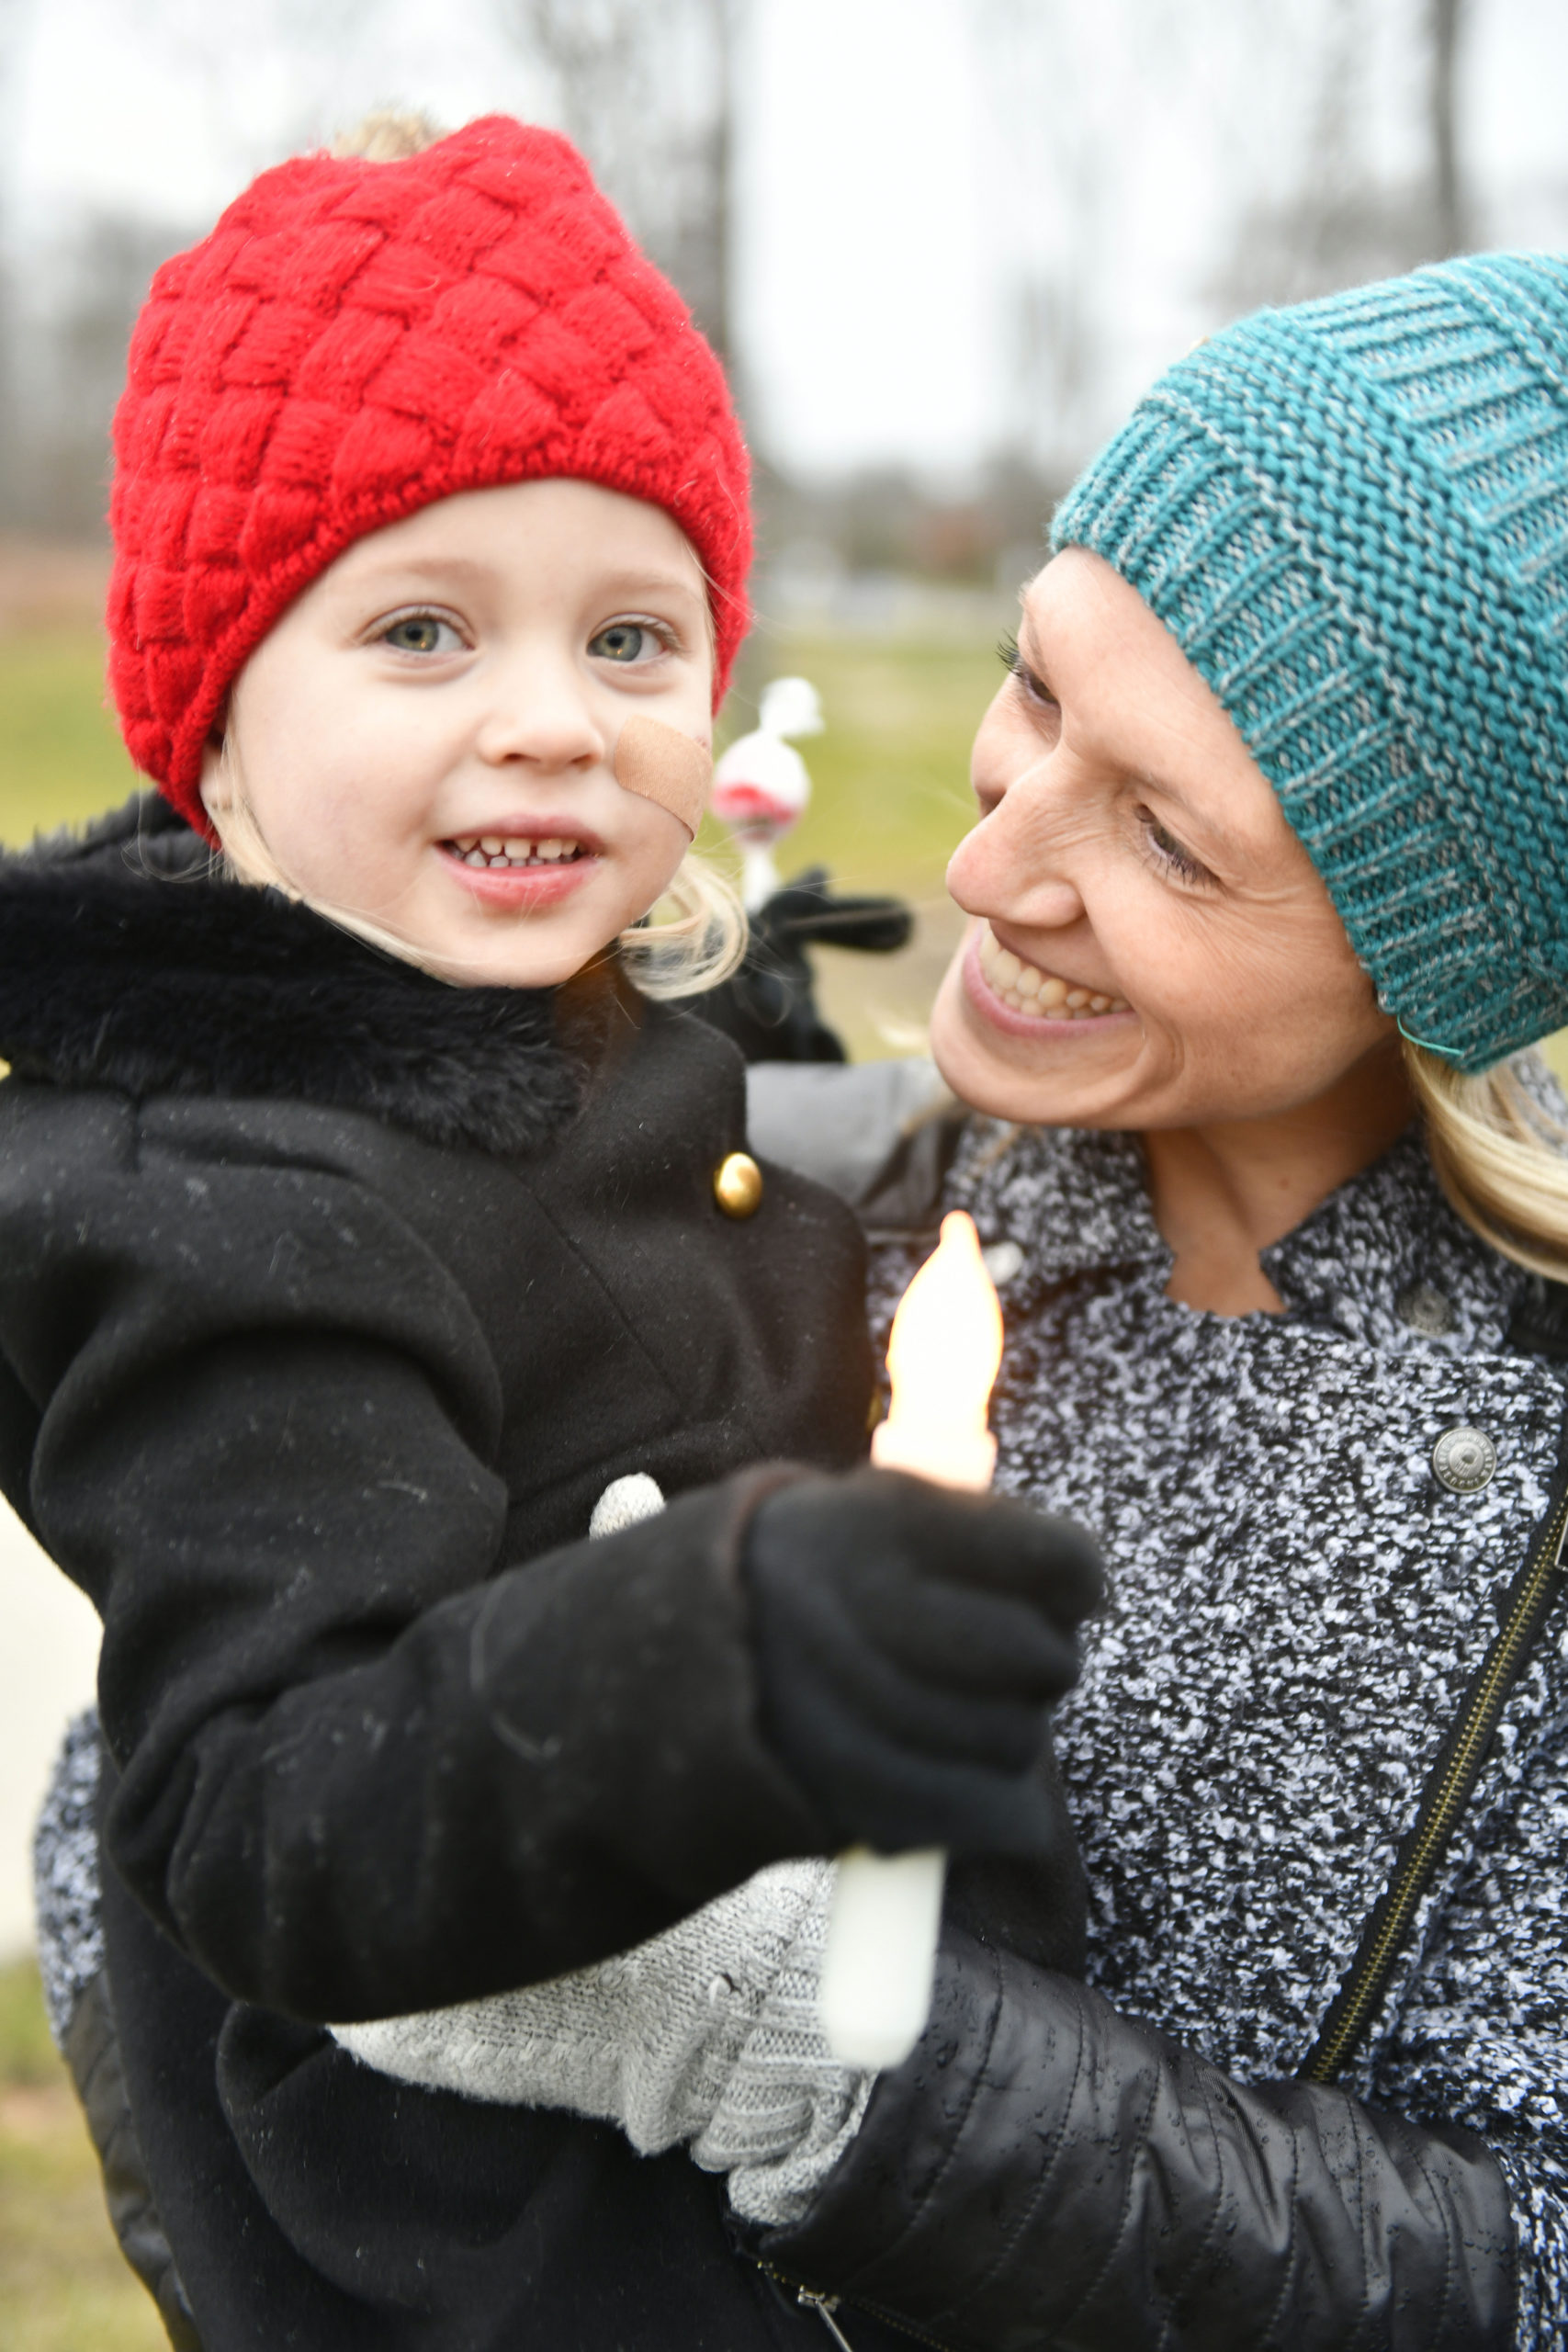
column 647, row 93
column 1445, row 28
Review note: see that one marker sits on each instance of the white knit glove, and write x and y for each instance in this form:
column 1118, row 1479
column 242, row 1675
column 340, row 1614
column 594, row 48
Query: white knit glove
column 706, row 2036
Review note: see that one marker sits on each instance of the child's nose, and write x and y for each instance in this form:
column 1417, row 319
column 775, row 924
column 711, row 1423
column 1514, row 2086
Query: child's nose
column 539, row 713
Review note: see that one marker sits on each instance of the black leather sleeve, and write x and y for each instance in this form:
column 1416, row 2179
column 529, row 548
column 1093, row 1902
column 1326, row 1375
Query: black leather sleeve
column 1042, row 2172
column 92, row 2052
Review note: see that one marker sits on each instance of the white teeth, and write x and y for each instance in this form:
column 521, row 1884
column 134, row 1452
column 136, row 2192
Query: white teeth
column 491, row 850
column 1027, row 990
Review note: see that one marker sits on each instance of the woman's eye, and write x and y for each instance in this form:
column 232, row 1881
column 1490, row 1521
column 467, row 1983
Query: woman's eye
column 625, row 642
column 1032, row 686
column 1169, row 852
column 421, row 633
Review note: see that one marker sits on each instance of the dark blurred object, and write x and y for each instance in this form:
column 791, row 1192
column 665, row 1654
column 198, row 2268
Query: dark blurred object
column 769, row 1007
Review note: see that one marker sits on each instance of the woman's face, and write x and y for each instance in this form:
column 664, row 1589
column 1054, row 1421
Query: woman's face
column 427, row 739
column 1151, row 945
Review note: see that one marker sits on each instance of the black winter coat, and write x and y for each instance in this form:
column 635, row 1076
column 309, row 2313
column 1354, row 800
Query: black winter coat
column 331, row 1298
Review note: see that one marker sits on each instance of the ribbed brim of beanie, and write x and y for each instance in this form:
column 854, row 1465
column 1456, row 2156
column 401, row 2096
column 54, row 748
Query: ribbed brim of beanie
column 355, row 340
column 1353, row 517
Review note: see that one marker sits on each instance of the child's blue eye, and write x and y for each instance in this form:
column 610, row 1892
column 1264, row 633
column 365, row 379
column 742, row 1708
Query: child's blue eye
column 624, row 641
column 420, row 633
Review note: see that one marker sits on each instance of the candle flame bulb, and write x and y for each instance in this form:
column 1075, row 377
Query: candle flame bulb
column 943, row 1359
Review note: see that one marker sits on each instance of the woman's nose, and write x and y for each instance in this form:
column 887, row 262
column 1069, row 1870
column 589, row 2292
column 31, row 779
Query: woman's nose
column 1017, row 861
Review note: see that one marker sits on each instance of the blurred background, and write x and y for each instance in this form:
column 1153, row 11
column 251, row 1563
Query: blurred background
column 942, row 245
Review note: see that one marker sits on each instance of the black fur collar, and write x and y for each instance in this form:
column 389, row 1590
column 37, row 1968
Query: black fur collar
column 124, row 963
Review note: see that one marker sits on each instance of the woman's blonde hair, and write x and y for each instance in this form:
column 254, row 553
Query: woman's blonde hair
column 699, row 943
column 1499, row 1156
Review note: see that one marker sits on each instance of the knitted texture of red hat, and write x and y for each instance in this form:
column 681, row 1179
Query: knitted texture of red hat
column 355, row 340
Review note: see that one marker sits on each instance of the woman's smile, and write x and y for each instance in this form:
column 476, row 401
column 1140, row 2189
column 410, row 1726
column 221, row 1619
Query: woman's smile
column 1022, row 998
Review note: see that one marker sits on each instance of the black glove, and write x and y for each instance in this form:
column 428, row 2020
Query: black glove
column 910, row 1643
column 769, row 1007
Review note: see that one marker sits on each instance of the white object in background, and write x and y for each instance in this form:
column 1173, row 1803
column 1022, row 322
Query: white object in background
column 943, row 1359
column 49, row 1667
column 791, row 707
column 761, row 786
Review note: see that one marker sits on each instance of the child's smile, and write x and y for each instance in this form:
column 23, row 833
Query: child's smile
column 539, row 866
column 426, row 741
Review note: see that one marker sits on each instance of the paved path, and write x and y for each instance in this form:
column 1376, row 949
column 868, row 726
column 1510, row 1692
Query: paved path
column 49, row 1651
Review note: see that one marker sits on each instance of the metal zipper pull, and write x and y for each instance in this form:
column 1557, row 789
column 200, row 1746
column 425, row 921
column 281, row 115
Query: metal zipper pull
column 824, row 2306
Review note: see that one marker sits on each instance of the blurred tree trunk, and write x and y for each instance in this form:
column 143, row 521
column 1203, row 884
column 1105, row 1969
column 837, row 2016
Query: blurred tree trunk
column 648, row 92
column 16, row 17
column 1445, row 26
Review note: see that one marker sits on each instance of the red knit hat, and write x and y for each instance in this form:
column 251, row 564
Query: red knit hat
column 357, row 339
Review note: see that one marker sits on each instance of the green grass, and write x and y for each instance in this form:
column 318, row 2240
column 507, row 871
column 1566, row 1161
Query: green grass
column 27, row 2057
column 65, row 2286
column 60, row 756
column 890, row 776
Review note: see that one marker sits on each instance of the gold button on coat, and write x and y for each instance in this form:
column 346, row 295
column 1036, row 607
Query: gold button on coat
column 737, row 1185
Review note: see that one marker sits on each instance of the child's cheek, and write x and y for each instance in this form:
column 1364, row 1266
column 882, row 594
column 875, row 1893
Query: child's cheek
column 657, row 847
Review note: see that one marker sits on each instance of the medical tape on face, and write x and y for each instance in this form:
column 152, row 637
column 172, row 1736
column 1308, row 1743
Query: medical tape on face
column 660, row 764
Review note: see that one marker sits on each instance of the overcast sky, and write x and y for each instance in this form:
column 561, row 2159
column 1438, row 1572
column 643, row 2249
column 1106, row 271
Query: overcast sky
column 899, row 166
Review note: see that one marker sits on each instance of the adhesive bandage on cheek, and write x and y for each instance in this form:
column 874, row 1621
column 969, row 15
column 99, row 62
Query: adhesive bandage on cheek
column 657, row 762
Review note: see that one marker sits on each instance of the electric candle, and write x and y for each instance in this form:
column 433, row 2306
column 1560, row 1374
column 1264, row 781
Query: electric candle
column 943, row 1359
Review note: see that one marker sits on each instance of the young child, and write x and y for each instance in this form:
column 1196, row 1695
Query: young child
column 365, row 1217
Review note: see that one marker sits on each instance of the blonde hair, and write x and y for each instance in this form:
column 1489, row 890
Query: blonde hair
column 1499, row 1156
column 387, row 135
column 699, row 945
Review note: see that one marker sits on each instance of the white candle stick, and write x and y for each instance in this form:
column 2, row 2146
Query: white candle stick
column 943, row 1359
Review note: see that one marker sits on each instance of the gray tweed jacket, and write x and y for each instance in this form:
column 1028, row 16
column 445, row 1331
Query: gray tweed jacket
column 1298, row 1601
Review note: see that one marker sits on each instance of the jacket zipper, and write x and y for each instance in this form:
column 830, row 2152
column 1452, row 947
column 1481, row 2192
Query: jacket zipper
column 828, row 2306
column 824, row 2306
column 1361, row 1991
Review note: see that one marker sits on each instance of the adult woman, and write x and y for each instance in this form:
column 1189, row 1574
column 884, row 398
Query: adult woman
column 1280, row 767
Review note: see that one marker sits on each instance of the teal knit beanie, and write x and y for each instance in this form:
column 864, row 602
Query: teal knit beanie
column 1352, row 515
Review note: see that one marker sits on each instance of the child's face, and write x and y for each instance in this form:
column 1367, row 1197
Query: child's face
column 461, row 679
